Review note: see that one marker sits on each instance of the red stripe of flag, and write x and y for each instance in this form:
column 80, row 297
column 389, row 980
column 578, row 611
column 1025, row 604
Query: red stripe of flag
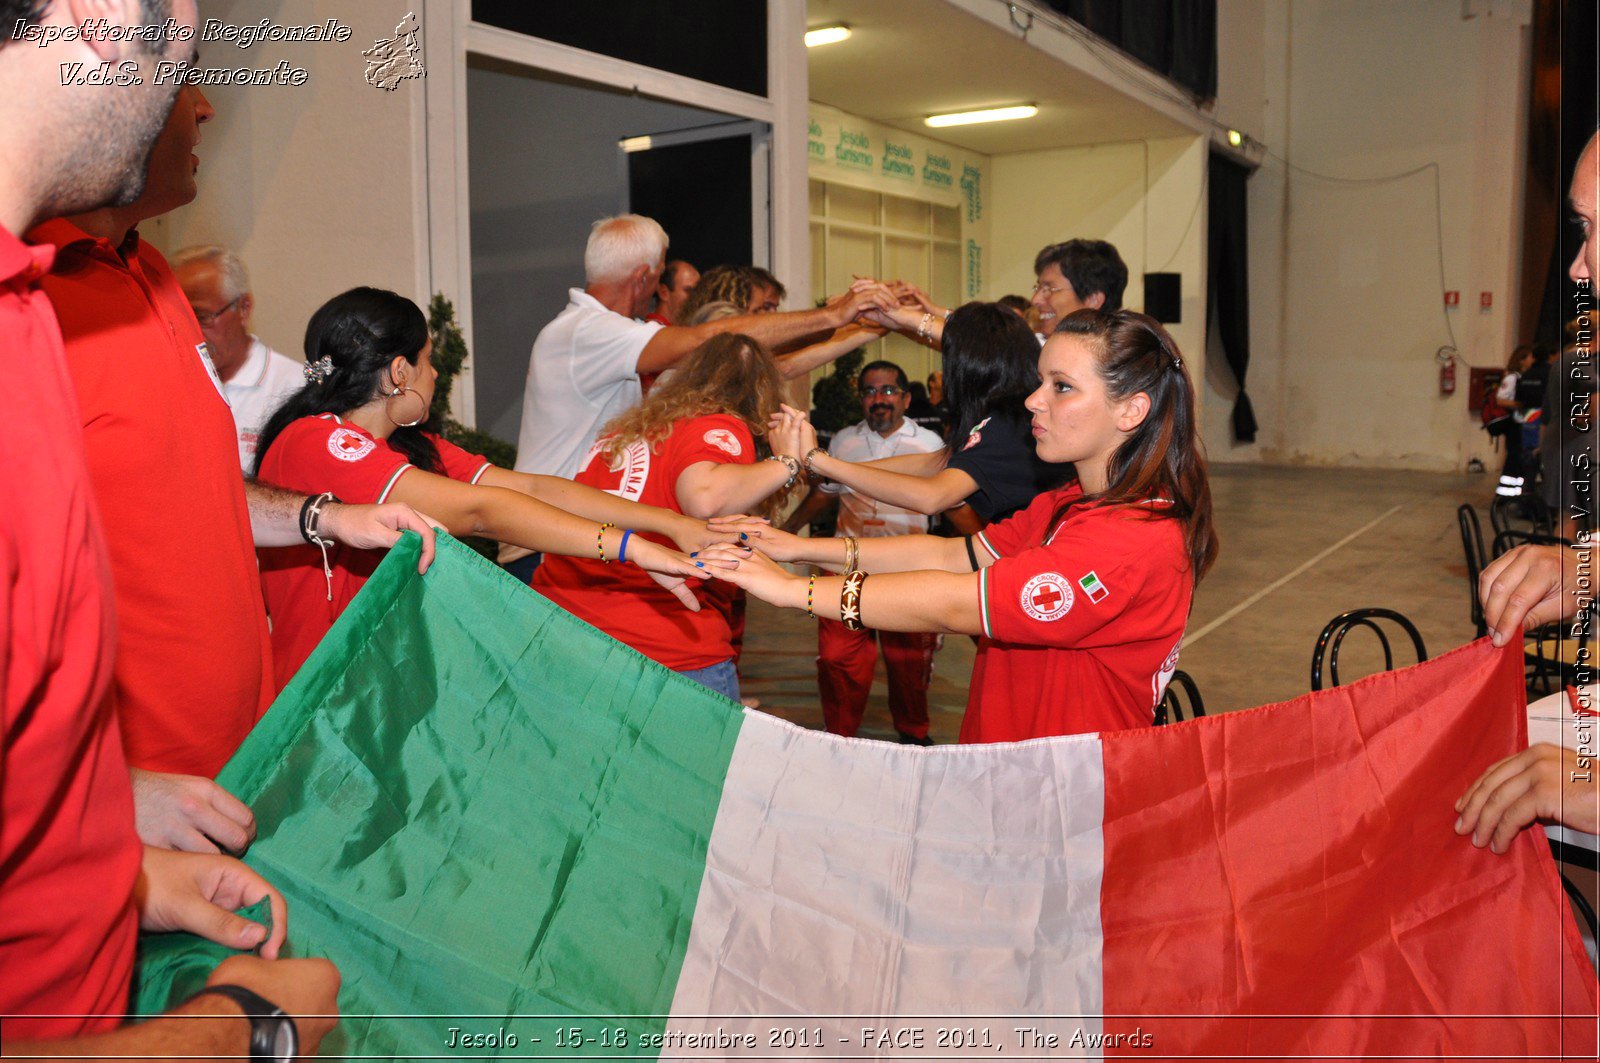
column 1299, row 860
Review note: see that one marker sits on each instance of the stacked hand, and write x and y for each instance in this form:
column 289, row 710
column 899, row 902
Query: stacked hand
column 673, row 570
column 757, row 572
column 791, row 432
column 857, row 300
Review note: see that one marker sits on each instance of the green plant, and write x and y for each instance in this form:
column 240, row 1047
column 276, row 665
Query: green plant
column 449, row 356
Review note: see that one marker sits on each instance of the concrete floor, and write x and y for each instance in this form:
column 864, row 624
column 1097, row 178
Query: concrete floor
column 1299, row 546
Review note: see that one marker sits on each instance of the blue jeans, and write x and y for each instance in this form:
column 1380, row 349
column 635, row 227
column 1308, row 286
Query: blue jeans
column 722, row 677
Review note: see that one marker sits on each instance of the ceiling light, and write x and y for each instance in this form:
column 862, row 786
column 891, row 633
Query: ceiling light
column 633, row 144
column 826, row 35
column 991, row 114
column 1235, row 137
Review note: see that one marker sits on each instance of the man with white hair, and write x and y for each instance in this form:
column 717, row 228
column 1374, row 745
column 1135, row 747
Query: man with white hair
column 255, row 378
column 586, row 363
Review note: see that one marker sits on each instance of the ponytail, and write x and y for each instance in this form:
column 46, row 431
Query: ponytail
column 350, row 341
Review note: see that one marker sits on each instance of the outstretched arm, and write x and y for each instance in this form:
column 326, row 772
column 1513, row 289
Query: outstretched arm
column 943, row 602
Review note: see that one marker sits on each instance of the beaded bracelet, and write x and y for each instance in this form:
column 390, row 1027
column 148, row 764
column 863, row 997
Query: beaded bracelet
column 789, row 463
column 811, row 591
column 925, row 327
column 622, row 550
column 600, row 541
column 811, row 456
column 850, row 600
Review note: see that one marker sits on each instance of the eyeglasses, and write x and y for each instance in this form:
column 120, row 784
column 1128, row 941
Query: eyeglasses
column 888, row 391
column 1048, row 289
column 209, row 318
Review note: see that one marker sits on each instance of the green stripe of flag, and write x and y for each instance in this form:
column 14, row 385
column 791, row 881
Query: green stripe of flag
column 477, row 804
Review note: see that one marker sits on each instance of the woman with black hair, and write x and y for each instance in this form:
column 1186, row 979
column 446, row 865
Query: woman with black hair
column 990, row 366
column 355, row 430
column 1083, row 596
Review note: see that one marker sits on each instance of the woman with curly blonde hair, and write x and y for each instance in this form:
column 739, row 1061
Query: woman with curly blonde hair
column 697, row 446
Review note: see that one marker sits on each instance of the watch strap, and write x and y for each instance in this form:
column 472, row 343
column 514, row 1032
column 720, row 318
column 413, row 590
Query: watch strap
column 266, row 1021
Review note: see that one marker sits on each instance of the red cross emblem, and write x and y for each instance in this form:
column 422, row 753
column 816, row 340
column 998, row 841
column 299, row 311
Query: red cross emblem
column 1046, row 596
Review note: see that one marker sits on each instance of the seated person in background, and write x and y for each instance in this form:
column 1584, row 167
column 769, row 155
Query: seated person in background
column 1523, row 589
column 255, row 378
column 990, row 366
column 1082, row 597
column 354, row 430
column 845, row 658
column 691, row 447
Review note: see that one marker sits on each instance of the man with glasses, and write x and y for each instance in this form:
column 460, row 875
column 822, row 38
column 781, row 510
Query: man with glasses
column 255, row 378
column 845, row 658
column 1074, row 275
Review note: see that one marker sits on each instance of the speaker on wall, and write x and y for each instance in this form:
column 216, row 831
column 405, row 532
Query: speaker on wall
column 1163, row 297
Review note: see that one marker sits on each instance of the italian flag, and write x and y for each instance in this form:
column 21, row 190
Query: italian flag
column 518, row 838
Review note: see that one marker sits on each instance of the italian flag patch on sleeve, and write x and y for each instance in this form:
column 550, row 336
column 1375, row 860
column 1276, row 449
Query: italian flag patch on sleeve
column 1093, row 587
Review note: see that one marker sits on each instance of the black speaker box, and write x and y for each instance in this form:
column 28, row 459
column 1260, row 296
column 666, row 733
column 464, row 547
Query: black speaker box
column 1163, row 297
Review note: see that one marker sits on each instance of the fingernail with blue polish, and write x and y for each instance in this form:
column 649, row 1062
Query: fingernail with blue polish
column 699, row 564
column 694, row 553
column 743, row 536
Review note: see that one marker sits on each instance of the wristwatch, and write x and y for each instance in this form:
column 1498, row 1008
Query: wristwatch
column 273, row 1035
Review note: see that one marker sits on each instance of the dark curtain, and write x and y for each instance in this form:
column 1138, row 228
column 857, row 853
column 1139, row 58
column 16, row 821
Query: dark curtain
column 1229, row 269
column 1577, row 27
column 1175, row 38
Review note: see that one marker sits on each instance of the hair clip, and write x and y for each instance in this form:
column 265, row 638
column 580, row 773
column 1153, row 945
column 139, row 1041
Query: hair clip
column 319, row 370
column 1177, row 363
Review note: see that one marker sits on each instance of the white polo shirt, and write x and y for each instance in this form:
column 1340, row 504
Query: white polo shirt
column 866, row 517
column 256, row 391
column 584, row 371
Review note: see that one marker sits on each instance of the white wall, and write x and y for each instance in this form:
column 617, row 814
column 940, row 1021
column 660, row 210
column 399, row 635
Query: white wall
column 1146, row 197
column 1346, row 298
column 319, row 186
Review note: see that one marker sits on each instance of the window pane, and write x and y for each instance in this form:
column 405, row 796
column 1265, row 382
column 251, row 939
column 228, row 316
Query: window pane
column 852, row 204
column 907, row 214
column 849, row 254
column 947, row 222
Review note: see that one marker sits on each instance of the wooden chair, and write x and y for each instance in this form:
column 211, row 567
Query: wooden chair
column 1171, row 709
column 1332, row 637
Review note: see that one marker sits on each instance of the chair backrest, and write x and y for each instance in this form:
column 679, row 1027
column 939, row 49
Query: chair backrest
column 1333, row 634
column 1514, row 537
column 1171, row 709
column 1472, row 546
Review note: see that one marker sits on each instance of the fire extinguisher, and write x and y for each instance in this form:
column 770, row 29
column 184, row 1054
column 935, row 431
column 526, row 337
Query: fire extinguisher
column 1447, row 370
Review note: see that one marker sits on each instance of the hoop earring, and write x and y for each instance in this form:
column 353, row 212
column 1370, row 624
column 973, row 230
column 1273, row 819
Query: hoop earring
column 401, row 389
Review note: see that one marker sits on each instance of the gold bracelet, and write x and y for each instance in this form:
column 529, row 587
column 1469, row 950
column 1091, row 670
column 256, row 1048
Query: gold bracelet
column 852, row 554
column 600, row 542
column 811, row 590
column 850, row 600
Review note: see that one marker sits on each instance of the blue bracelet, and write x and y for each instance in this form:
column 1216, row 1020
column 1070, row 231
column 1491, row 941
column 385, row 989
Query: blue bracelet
column 622, row 551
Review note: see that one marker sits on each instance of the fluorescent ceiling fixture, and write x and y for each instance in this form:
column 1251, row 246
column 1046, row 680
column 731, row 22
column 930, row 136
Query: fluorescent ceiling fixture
column 633, row 144
column 827, row 35
column 1235, row 137
column 991, row 114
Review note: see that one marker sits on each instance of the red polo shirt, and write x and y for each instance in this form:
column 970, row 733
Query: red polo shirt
column 1082, row 618
column 68, row 853
column 622, row 600
column 192, row 669
column 328, row 453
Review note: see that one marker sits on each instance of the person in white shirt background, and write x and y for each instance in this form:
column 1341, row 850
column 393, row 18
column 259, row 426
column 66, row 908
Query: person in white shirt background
column 845, row 658
column 255, row 378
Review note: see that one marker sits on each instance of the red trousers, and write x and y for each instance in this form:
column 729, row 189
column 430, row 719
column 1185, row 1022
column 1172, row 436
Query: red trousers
column 845, row 660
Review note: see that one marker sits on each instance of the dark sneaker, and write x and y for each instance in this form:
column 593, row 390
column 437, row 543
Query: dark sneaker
column 913, row 740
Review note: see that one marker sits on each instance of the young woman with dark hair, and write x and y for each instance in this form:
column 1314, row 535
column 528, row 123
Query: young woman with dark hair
column 695, row 446
column 990, row 366
column 356, row 430
column 1083, row 596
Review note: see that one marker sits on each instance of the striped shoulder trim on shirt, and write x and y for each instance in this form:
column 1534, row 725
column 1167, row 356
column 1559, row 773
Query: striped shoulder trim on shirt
column 485, row 467
column 983, row 600
column 982, row 540
column 383, row 496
